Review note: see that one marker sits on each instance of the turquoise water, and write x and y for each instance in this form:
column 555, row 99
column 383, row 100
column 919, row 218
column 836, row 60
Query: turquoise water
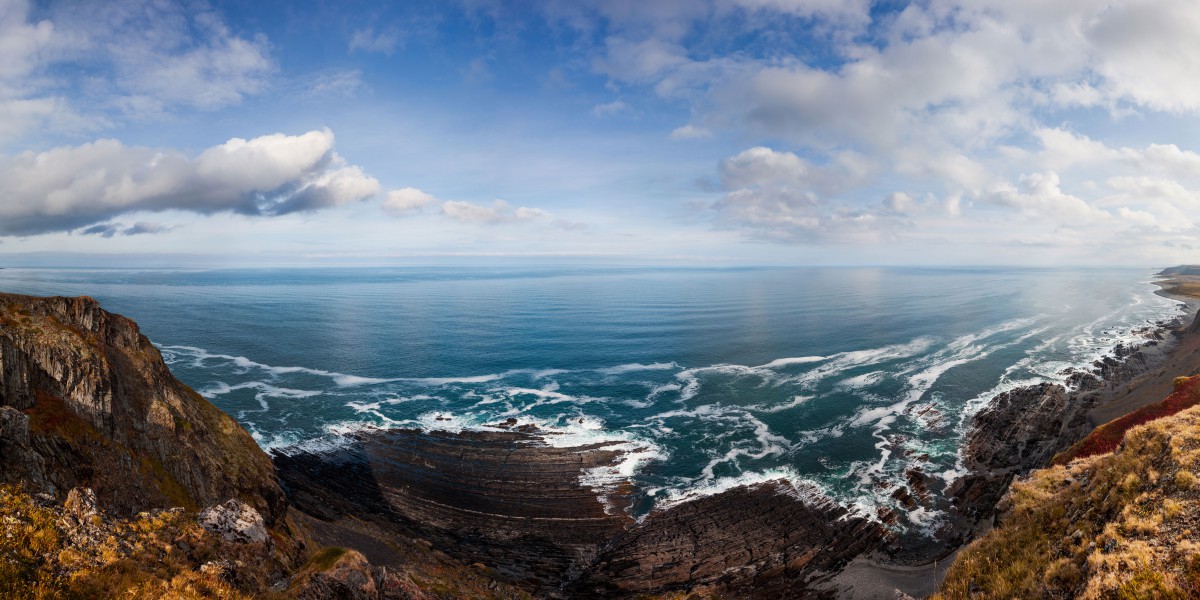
column 838, row 379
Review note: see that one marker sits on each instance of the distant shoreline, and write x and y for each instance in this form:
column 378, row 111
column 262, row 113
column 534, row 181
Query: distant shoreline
column 1182, row 358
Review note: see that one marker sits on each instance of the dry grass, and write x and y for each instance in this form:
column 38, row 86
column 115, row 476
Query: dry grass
column 1120, row 525
column 1108, row 436
column 154, row 555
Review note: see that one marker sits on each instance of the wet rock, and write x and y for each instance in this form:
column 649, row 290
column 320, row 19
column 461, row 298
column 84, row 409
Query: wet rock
column 516, row 505
column 758, row 540
column 235, row 521
column 502, row 498
column 1018, row 431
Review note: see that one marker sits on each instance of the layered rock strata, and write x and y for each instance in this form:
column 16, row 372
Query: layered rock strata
column 755, row 541
column 504, row 499
column 515, row 504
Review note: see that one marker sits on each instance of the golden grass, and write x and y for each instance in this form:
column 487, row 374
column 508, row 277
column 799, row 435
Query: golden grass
column 1120, row 525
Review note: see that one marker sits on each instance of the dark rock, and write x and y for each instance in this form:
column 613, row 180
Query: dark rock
column 516, row 505
column 505, row 499
column 1020, row 430
column 751, row 541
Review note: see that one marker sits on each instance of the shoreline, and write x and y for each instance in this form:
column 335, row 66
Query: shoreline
column 876, row 574
column 1183, row 358
column 861, row 561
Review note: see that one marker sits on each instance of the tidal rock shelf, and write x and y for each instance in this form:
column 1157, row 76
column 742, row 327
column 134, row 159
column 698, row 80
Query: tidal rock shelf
column 515, row 504
column 503, row 499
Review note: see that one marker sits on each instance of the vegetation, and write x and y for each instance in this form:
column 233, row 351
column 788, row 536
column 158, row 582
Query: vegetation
column 46, row 552
column 1124, row 524
column 1107, row 437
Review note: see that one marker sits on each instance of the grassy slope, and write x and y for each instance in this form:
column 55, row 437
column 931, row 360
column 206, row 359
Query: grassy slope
column 1124, row 524
column 1108, row 436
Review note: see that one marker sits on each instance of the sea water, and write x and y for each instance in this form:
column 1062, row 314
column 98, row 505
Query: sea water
column 840, row 380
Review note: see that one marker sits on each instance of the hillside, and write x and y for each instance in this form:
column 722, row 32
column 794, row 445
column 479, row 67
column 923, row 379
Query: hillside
column 117, row 480
column 1123, row 524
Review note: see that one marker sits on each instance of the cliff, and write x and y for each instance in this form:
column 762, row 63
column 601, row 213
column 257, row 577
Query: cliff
column 1115, row 525
column 86, row 401
column 117, row 480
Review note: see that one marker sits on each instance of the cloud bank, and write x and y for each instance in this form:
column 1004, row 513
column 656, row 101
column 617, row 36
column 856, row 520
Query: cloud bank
column 78, row 186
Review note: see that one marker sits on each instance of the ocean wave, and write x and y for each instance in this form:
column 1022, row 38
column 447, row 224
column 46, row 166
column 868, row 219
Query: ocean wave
column 632, row 367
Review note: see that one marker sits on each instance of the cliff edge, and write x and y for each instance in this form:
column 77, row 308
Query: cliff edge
column 86, row 401
column 1120, row 524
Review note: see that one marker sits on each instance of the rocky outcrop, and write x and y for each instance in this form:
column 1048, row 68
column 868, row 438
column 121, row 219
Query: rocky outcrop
column 501, row 498
column 760, row 541
column 1020, row 430
column 86, row 401
column 512, row 503
column 235, row 521
column 348, row 578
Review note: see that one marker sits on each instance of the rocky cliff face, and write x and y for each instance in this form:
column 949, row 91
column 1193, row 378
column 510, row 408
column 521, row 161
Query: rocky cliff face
column 86, row 401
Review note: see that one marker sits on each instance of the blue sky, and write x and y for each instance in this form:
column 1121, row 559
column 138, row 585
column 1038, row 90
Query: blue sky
column 693, row 132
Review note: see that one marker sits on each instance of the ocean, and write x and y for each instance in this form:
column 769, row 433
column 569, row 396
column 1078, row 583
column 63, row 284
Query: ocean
column 839, row 379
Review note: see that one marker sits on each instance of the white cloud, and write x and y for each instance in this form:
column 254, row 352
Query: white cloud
column 499, row 212
column 75, row 186
column 1038, row 196
column 368, row 40
column 86, row 65
column 408, row 201
column 609, row 109
column 782, row 197
column 690, row 132
column 334, row 84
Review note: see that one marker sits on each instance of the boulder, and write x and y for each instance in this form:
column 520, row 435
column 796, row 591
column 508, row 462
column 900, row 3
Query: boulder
column 235, row 521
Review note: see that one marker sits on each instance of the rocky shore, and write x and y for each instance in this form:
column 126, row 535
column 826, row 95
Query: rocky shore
column 511, row 502
column 766, row 540
column 105, row 452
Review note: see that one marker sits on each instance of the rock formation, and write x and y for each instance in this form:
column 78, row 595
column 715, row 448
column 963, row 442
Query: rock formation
column 501, row 498
column 86, row 401
column 1020, row 430
column 758, row 540
column 516, row 505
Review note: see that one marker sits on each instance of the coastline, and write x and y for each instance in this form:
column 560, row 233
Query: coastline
column 858, row 561
column 1183, row 358
column 1137, row 377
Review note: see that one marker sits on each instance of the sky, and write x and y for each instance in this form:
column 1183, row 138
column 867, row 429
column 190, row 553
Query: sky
column 706, row 132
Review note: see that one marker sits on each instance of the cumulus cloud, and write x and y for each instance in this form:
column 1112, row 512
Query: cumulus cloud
column 126, row 58
column 499, row 212
column 76, row 186
column 1038, row 195
column 780, row 196
column 408, row 201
